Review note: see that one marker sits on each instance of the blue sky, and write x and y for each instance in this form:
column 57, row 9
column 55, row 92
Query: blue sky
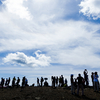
column 47, row 37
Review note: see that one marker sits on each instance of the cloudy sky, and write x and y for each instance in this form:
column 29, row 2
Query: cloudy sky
column 49, row 37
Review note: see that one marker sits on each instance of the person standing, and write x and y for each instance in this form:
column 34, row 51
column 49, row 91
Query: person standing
column 92, row 74
column 17, row 83
column 85, row 76
column 80, row 84
column 23, row 82
column 42, row 81
column 13, row 82
column 72, row 84
column 96, row 85
column 38, row 82
column 56, row 81
column 2, row 82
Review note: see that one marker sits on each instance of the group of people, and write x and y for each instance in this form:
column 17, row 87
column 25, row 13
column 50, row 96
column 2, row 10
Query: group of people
column 15, row 82
column 56, row 81
column 82, row 82
column 76, row 83
column 41, row 81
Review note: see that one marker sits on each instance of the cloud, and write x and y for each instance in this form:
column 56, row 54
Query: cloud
column 90, row 8
column 23, row 60
column 17, row 7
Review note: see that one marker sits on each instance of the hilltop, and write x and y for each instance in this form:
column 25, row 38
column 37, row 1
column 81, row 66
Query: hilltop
column 46, row 93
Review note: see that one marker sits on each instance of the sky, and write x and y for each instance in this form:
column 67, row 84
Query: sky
column 49, row 38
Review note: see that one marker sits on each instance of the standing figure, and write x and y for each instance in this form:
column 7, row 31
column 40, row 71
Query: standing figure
column 38, row 84
column 66, row 85
column 85, row 76
column 17, row 83
column 72, row 84
column 6, row 82
column 80, row 84
column 52, row 80
column 92, row 74
column 96, row 85
column 62, row 81
column 26, row 82
column 2, row 82
column 42, row 81
column 23, row 82
column 56, row 81
column 13, row 82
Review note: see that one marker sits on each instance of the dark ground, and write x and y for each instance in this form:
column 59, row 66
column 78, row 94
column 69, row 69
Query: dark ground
column 46, row 93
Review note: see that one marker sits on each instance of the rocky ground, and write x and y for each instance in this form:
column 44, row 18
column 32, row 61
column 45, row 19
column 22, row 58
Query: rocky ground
column 46, row 93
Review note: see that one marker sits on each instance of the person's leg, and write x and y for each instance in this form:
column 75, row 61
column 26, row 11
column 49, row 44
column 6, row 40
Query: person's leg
column 94, row 86
column 97, row 86
column 78, row 89
column 71, row 87
column 74, row 89
column 2, row 86
column 82, row 89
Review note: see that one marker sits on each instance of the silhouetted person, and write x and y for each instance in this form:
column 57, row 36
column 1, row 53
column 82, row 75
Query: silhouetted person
column 38, row 84
column 92, row 78
column 96, row 85
column 26, row 82
column 75, row 83
column 80, row 84
column 85, row 76
column 41, row 81
column 56, row 81
column 46, row 83
column 17, row 83
column 62, row 81
column 23, row 82
column 72, row 84
column 6, row 82
column 87, row 81
column 13, row 81
column 53, row 81
column 2, row 82
column 66, row 85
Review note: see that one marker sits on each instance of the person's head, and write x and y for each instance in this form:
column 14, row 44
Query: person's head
column 95, row 73
column 92, row 73
column 71, row 75
column 79, row 75
column 61, row 75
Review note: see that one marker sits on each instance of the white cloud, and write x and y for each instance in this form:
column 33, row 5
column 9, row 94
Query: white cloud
column 23, row 60
column 17, row 7
column 90, row 8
